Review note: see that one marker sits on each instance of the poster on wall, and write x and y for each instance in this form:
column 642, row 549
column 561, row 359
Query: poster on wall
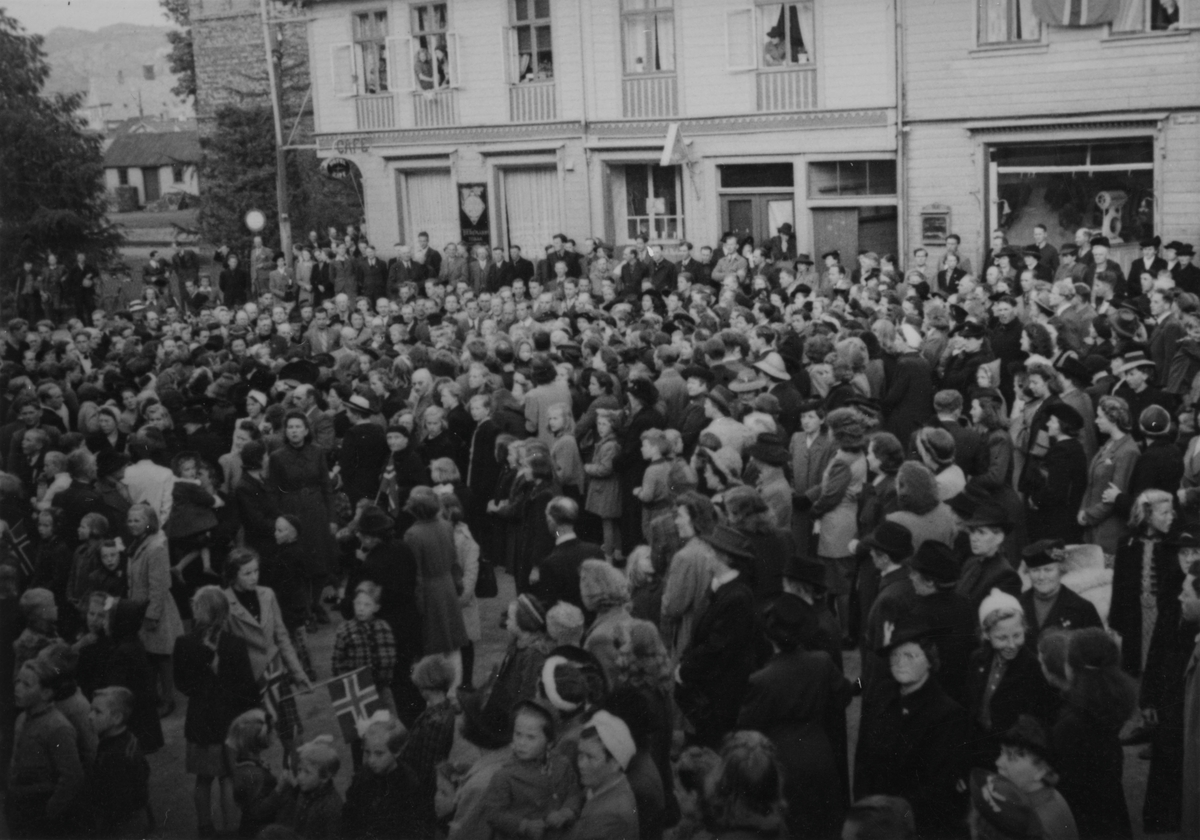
column 473, row 217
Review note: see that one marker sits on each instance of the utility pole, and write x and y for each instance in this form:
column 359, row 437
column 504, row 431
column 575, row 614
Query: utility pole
column 274, row 53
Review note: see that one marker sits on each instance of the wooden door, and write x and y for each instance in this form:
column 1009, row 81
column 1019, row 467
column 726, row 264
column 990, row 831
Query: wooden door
column 836, row 229
column 150, row 185
column 737, row 215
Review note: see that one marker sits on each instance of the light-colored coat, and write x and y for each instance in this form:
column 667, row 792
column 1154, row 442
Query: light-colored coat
column 1112, row 464
column 267, row 637
column 809, row 461
column 150, row 581
column 835, row 502
column 468, row 557
column 151, row 484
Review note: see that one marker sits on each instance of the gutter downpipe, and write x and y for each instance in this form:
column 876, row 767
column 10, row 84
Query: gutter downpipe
column 901, row 156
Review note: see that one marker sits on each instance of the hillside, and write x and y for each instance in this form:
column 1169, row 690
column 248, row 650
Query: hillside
column 111, row 66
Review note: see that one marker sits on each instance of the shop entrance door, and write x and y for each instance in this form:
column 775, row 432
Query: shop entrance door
column 758, row 216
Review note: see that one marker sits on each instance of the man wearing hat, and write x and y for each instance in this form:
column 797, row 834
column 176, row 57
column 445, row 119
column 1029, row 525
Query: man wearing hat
column 769, row 454
column 1048, row 603
column 1186, row 273
column 1167, row 332
column 1137, row 372
column 804, row 580
column 783, row 389
column 609, row 812
column 965, row 357
column 987, row 568
column 933, row 572
column 781, row 248
column 364, row 448
column 1101, row 264
column 888, row 546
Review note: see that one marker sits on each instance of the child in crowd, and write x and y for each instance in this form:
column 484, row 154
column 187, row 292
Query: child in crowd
column 655, row 492
column 111, row 575
column 692, row 768
column 564, row 625
column 253, row 782
column 564, row 452
column 118, row 784
column 306, row 801
column 381, row 800
column 41, row 625
column 432, row 734
column 212, row 667
column 46, row 775
column 68, row 699
column 191, row 522
column 53, row 479
column 93, row 529
column 519, row 672
column 1025, row 761
column 603, row 487
column 535, row 794
column 366, row 641
column 90, row 669
column 284, row 574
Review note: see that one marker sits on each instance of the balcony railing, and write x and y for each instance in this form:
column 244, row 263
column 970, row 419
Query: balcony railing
column 649, row 97
column 375, row 111
column 531, row 102
column 435, row 108
column 791, row 89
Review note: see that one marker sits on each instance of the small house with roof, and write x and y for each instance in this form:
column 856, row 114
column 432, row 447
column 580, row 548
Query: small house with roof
column 157, row 163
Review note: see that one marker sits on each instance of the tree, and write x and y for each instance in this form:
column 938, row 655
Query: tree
column 52, row 195
column 238, row 174
column 181, row 57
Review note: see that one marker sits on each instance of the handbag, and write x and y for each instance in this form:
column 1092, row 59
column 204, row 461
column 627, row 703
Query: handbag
column 485, row 584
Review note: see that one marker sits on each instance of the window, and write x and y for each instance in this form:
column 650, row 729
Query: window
column 1147, row 16
column 787, row 32
column 531, row 54
column 177, row 173
column 123, row 176
column 371, row 58
column 648, row 32
column 653, row 201
column 843, row 178
column 1007, row 21
column 431, row 47
column 756, row 175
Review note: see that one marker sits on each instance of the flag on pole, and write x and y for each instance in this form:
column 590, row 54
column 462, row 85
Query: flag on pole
column 271, row 688
column 354, row 700
column 675, row 150
column 16, row 546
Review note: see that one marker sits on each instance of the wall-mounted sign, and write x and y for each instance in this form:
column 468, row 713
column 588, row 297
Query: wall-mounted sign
column 473, row 217
column 935, row 224
column 351, row 145
column 338, row 168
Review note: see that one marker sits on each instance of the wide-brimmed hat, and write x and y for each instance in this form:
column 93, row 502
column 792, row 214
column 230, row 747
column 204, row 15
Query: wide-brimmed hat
column 1042, row 553
column 804, row 259
column 1133, row 360
column 363, row 404
column 1028, row 734
column 1186, row 539
column 747, row 380
column 1185, row 250
column 1152, row 242
column 770, row 448
column 375, row 523
column 990, row 515
column 1126, row 323
column 790, row 621
column 1002, row 805
column 935, row 560
column 302, row 371
column 1100, row 240
column 805, row 570
column 1155, row 421
column 836, row 254
column 785, row 229
column 1031, row 251
column 972, row 329
column 772, row 365
column 643, row 390
column 731, row 542
column 1075, row 370
column 891, row 538
column 1069, row 419
column 1174, row 245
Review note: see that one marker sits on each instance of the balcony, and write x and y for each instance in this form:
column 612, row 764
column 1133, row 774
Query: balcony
column 531, row 102
column 649, row 97
column 375, row 111
column 433, row 108
column 788, row 89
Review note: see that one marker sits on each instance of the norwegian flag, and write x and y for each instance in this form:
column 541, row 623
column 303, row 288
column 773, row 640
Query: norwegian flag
column 271, row 688
column 1072, row 13
column 354, row 700
column 17, row 548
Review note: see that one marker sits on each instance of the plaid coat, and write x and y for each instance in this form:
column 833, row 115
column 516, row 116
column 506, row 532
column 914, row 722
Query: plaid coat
column 367, row 644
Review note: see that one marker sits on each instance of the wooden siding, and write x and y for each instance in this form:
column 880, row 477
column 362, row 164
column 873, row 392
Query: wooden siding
column 941, row 168
column 1076, row 70
column 1179, row 209
column 856, row 59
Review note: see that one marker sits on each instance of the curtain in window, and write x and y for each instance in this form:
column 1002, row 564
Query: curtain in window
column 432, row 205
column 664, row 42
column 993, row 21
column 1026, row 28
column 806, row 27
column 531, row 207
column 635, row 44
column 1131, row 17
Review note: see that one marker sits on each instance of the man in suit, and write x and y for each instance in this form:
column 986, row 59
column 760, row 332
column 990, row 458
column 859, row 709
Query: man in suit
column 562, row 252
column 781, row 248
column 345, row 273
column 689, row 264
column 522, row 268
column 322, row 337
column 731, row 261
column 234, row 283
column 262, row 263
column 811, row 449
column 505, row 272
column 322, row 277
column 81, row 281
column 1047, row 253
column 454, row 266
column 427, row 256
column 556, row 576
column 1073, row 315
column 404, row 270
column 1102, row 264
column 480, row 270
column 305, row 398
column 661, row 270
column 373, row 275
column 630, row 274
column 1167, row 331
column 968, row 445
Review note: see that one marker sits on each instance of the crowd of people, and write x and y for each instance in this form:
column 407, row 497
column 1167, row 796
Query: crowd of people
column 710, row 478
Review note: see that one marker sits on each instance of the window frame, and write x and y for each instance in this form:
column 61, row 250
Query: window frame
column 178, row 173
column 981, row 44
column 122, row 176
column 1184, row 25
column 383, row 42
column 449, row 40
column 512, row 42
column 625, row 14
column 760, row 35
column 680, row 215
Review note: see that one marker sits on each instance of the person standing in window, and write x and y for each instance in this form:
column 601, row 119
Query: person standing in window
column 442, row 68
column 423, row 68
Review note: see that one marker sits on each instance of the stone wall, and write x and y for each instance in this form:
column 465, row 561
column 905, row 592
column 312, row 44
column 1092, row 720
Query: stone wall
column 231, row 65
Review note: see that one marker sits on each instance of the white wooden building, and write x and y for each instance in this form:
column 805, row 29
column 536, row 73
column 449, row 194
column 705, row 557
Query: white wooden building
column 1009, row 121
column 559, row 110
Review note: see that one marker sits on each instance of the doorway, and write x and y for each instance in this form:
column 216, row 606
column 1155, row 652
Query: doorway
column 150, row 184
column 849, row 230
column 758, row 216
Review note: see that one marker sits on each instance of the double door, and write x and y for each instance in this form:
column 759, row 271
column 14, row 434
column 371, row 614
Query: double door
column 758, row 215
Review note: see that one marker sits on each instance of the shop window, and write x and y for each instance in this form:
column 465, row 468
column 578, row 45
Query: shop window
column 371, row 53
column 123, row 176
column 843, row 178
column 648, row 33
column 1007, row 21
column 652, row 200
column 1147, row 16
column 435, row 53
column 531, row 55
column 756, row 175
column 1108, row 187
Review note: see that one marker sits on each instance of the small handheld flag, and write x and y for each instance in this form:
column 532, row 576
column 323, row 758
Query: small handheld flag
column 16, row 546
column 355, row 699
column 271, row 688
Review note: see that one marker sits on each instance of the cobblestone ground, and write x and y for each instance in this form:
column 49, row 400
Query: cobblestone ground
column 171, row 787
